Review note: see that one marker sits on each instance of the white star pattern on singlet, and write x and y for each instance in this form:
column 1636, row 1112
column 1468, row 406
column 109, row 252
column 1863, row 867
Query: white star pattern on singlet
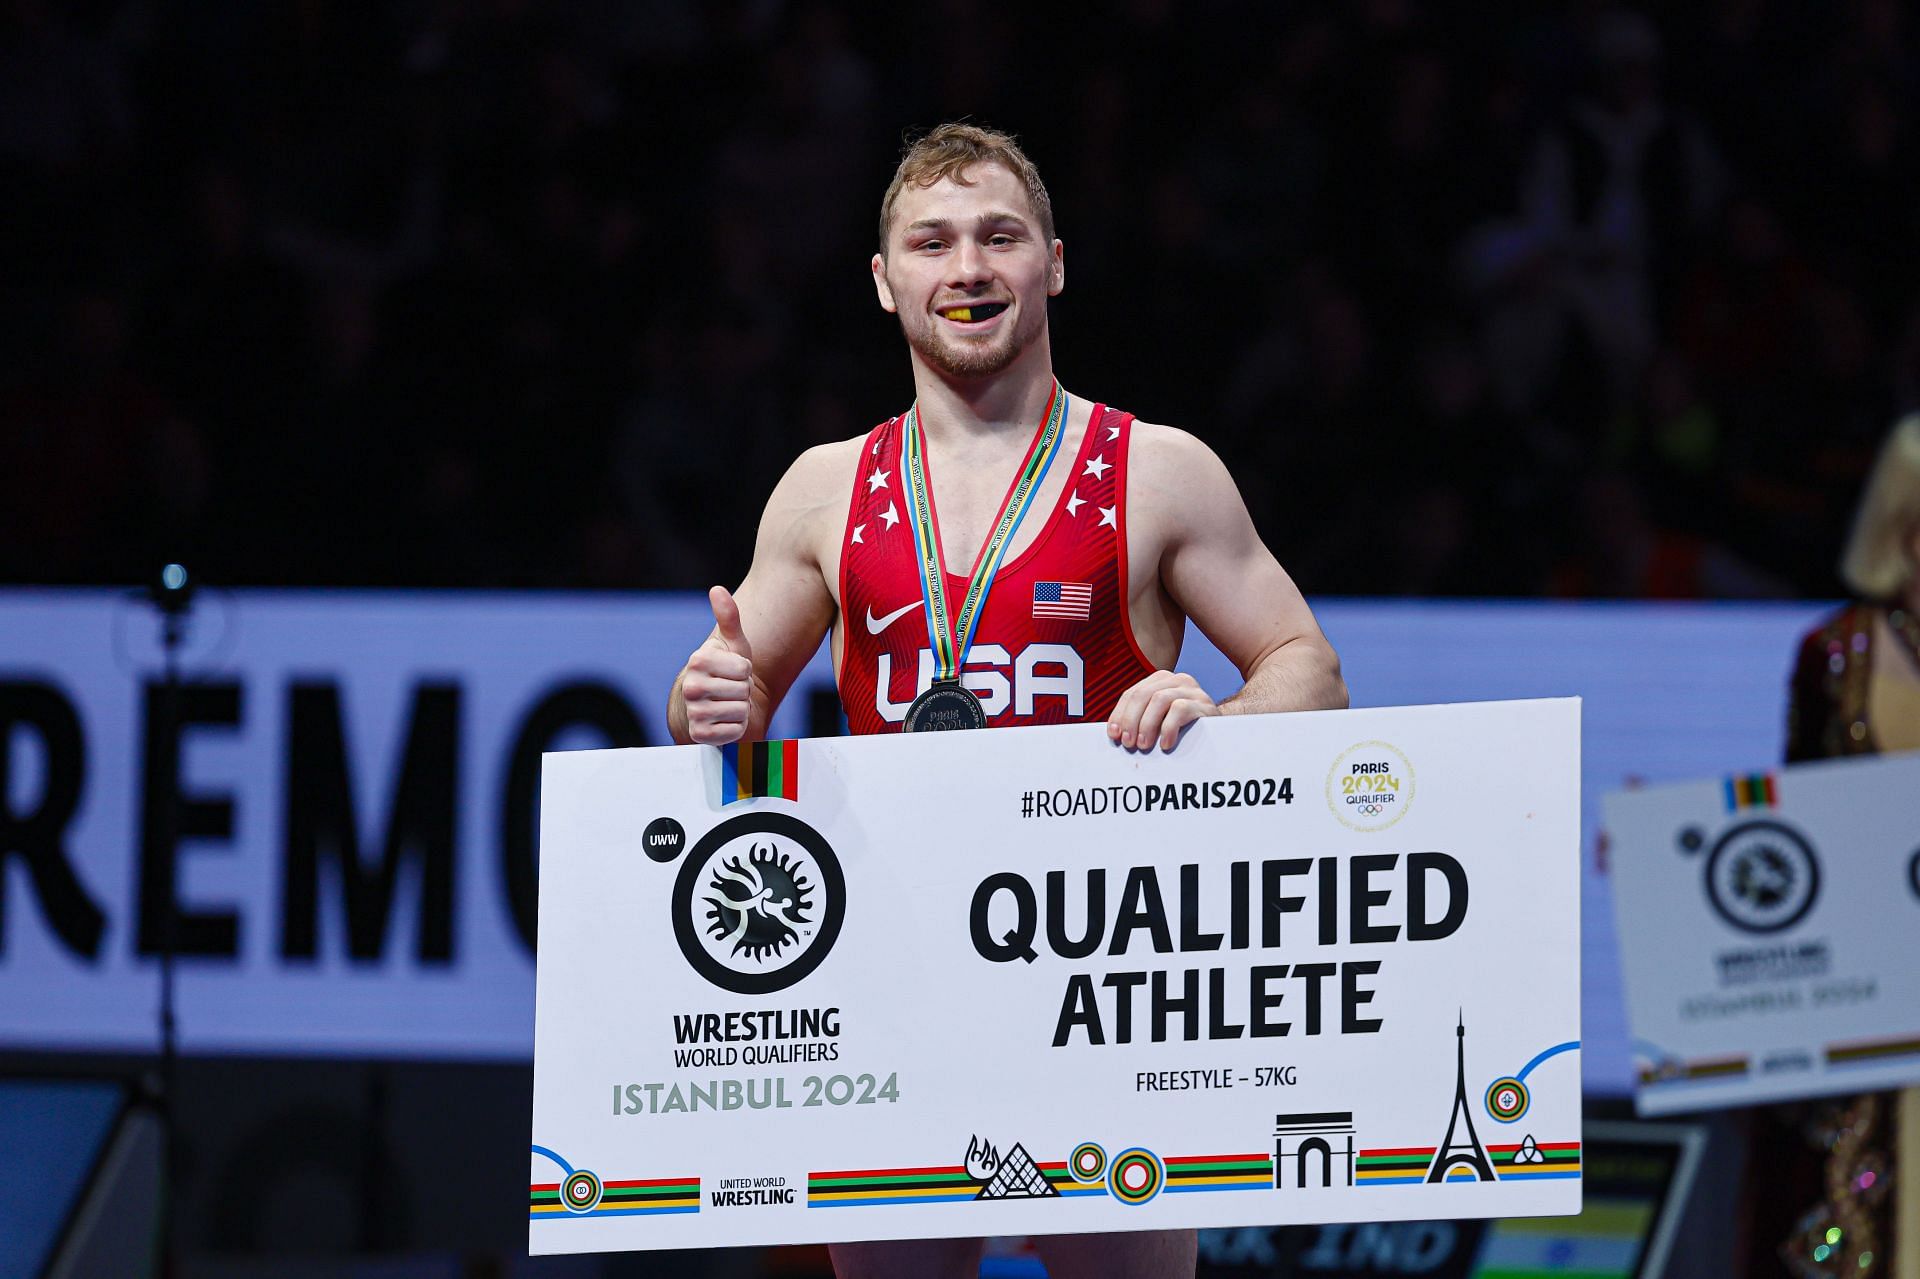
column 1097, row 468
column 1113, row 433
column 890, row 515
column 1075, row 502
column 858, row 529
column 878, row 480
column 1106, row 518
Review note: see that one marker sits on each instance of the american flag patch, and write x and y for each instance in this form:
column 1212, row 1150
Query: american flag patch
column 1070, row 600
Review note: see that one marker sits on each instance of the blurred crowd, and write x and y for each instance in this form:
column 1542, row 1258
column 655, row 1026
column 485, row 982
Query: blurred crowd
column 1484, row 298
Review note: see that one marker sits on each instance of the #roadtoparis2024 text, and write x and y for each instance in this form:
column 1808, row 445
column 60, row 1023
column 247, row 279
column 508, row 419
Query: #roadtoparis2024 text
column 1098, row 801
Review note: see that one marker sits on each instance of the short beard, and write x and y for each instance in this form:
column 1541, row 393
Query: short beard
column 974, row 361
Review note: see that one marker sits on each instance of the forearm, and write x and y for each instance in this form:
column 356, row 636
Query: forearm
column 1301, row 675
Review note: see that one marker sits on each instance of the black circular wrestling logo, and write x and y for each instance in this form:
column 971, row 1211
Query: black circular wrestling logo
column 758, row 903
column 1762, row 877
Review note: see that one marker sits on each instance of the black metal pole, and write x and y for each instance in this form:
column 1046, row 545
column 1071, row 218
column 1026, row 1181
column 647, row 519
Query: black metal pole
column 172, row 595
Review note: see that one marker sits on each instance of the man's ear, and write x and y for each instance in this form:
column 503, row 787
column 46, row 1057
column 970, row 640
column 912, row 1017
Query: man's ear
column 1057, row 270
column 880, row 286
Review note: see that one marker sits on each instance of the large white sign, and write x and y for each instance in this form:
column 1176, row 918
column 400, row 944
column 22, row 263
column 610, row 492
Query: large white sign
column 1770, row 933
column 1312, row 967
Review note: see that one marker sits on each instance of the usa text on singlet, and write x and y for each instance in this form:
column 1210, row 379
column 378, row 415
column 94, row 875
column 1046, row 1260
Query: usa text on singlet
column 1053, row 645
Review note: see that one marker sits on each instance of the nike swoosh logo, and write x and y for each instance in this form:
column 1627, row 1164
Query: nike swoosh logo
column 877, row 624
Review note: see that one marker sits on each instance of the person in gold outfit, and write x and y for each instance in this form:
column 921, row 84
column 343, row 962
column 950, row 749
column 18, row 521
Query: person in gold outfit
column 1856, row 688
column 1856, row 691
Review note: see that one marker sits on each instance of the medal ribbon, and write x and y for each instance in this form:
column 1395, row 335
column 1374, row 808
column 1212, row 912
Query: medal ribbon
column 951, row 644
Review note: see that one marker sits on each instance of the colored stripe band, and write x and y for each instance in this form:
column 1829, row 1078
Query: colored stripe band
column 1871, row 1050
column 760, row 770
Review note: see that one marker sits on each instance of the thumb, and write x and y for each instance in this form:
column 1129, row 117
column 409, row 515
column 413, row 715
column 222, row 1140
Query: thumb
column 726, row 615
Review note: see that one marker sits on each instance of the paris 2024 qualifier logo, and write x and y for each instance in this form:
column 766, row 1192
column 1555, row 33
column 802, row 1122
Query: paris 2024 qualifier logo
column 1370, row 787
column 758, row 903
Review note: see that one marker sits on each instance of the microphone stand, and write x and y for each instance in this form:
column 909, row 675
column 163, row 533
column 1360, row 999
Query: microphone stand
column 171, row 594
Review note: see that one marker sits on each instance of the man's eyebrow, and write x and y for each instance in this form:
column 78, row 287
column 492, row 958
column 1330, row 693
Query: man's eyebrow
column 985, row 219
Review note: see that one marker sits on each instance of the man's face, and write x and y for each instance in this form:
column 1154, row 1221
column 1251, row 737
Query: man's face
column 967, row 272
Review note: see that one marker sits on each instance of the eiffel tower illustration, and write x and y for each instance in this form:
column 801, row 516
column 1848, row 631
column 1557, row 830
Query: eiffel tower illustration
column 1467, row 1153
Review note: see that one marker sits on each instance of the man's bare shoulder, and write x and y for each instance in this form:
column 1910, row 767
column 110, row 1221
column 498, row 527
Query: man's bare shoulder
column 809, row 505
column 821, row 476
column 1167, row 461
column 831, row 465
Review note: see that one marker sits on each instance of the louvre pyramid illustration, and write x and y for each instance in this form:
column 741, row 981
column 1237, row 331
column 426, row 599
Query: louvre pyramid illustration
column 1018, row 1177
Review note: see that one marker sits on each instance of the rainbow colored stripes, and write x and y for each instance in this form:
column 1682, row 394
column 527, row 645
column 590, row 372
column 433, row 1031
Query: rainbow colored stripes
column 949, row 1183
column 879, row 1186
column 1219, row 1172
column 1061, row 1179
column 1871, row 1052
column 1686, row 1072
column 759, row 770
column 1408, row 1165
column 635, row 1198
column 1393, row 1165
column 1755, row 790
column 1558, row 1161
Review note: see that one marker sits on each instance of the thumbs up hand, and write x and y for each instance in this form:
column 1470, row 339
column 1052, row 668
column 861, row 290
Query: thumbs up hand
column 717, row 685
column 726, row 620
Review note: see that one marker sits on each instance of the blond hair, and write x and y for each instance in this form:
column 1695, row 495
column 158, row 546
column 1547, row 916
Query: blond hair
column 1879, row 560
column 948, row 152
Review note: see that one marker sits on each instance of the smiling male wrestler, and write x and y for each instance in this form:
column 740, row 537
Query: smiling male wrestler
column 1083, row 540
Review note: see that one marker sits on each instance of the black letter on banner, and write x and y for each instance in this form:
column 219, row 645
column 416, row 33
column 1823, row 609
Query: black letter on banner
column 585, row 704
column 1081, row 1008
column 1361, row 899
column 1141, row 907
column 204, row 932
column 1057, row 938
column 321, row 822
column 1274, row 902
column 38, row 836
column 1418, row 864
column 1018, row 943
column 1351, row 997
column 1191, row 938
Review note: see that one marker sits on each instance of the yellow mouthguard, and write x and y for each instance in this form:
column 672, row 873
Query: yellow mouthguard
column 964, row 314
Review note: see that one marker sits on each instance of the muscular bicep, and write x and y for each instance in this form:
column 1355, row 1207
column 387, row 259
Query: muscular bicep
column 785, row 605
column 1214, row 565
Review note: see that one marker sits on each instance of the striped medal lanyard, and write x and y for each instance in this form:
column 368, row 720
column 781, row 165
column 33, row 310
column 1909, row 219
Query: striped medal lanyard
column 946, row 704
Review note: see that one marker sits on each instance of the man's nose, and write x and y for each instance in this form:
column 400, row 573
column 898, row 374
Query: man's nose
column 971, row 266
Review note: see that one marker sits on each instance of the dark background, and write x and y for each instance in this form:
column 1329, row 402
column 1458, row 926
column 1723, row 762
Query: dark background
column 1478, row 298
column 1475, row 298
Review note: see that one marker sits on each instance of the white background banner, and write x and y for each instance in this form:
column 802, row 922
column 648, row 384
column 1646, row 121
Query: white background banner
column 1770, row 933
column 477, row 685
column 1315, row 967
